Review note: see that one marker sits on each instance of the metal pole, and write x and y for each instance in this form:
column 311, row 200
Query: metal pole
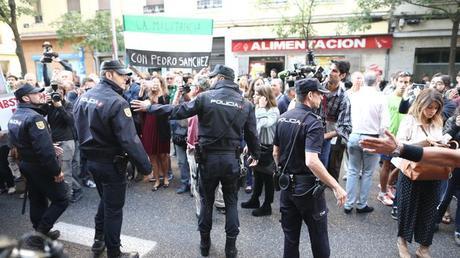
column 114, row 31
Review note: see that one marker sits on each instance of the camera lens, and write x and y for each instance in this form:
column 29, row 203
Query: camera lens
column 55, row 96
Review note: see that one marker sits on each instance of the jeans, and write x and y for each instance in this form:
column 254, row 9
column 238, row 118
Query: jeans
column 453, row 189
column 67, row 166
column 183, row 165
column 325, row 151
column 358, row 191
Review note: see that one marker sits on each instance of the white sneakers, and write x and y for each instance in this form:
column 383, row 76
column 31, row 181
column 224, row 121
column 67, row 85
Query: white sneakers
column 385, row 199
column 11, row 190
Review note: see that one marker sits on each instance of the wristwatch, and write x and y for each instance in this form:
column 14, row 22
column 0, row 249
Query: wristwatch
column 397, row 152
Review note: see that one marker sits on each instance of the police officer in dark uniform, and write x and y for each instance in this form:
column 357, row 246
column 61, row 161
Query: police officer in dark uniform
column 30, row 134
column 299, row 201
column 223, row 116
column 106, row 133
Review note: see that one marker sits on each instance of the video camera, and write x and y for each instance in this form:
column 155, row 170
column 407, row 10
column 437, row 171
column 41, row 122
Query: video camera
column 55, row 96
column 301, row 71
column 48, row 53
column 31, row 245
column 186, row 88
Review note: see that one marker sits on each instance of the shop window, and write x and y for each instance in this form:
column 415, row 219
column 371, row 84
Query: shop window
column 206, row 4
column 434, row 55
column 218, row 51
column 433, row 60
column 154, row 6
column 73, row 5
column 104, row 4
column 37, row 7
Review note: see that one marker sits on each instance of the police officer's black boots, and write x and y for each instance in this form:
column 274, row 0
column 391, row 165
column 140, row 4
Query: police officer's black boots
column 118, row 254
column 264, row 210
column 205, row 243
column 98, row 245
column 252, row 203
column 230, row 247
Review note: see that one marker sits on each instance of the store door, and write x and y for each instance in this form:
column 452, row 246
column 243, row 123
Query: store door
column 261, row 66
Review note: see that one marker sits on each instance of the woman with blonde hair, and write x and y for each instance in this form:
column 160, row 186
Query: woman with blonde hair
column 156, row 131
column 267, row 115
column 417, row 200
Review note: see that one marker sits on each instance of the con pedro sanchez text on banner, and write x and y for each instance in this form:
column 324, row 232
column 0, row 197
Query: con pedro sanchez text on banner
column 168, row 42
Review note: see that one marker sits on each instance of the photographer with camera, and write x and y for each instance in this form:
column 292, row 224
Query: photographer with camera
column 61, row 121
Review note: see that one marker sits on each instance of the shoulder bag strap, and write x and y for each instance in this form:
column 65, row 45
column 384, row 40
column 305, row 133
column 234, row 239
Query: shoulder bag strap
column 424, row 131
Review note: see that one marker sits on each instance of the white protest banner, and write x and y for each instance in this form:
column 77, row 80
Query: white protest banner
column 8, row 105
column 153, row 41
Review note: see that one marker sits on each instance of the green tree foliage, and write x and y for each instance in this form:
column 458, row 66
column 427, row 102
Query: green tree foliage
column 10, row 11
column 94, row 34
column 449, row 9
column 298, row 25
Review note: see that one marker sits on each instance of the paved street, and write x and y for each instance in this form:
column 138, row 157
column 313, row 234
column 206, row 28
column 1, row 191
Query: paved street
column 168, row 221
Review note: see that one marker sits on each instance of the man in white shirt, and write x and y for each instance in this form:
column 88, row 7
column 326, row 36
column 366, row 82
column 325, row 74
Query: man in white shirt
column 369, row 117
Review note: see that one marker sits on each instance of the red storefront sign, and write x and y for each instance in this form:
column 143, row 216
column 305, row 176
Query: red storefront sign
column 367, row 42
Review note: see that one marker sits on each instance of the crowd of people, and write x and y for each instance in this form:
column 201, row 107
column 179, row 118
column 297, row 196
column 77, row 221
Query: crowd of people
column 421, row 114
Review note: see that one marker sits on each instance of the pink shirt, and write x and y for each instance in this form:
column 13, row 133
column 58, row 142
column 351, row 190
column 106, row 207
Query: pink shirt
column 192, row 132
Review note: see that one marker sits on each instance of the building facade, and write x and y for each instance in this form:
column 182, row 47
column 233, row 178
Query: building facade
column 420, row 45
column 9, row 62
column 244, row 35
column 35, row 30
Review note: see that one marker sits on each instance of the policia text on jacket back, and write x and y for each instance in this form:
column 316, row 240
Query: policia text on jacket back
column 298, row 140
column 106, row 133
column 223, row 116
column 30, row 134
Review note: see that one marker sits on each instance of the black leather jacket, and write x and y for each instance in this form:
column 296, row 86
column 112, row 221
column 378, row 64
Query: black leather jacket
column 451, row 128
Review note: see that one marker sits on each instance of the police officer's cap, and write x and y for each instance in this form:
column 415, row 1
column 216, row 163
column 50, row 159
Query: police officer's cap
column 226, row 71
column 27, row 89
column 304, row 86
column 116, row 66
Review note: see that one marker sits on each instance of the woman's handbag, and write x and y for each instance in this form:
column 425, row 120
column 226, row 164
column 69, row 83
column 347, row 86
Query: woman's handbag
column 266, row 162
column 427, row 171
